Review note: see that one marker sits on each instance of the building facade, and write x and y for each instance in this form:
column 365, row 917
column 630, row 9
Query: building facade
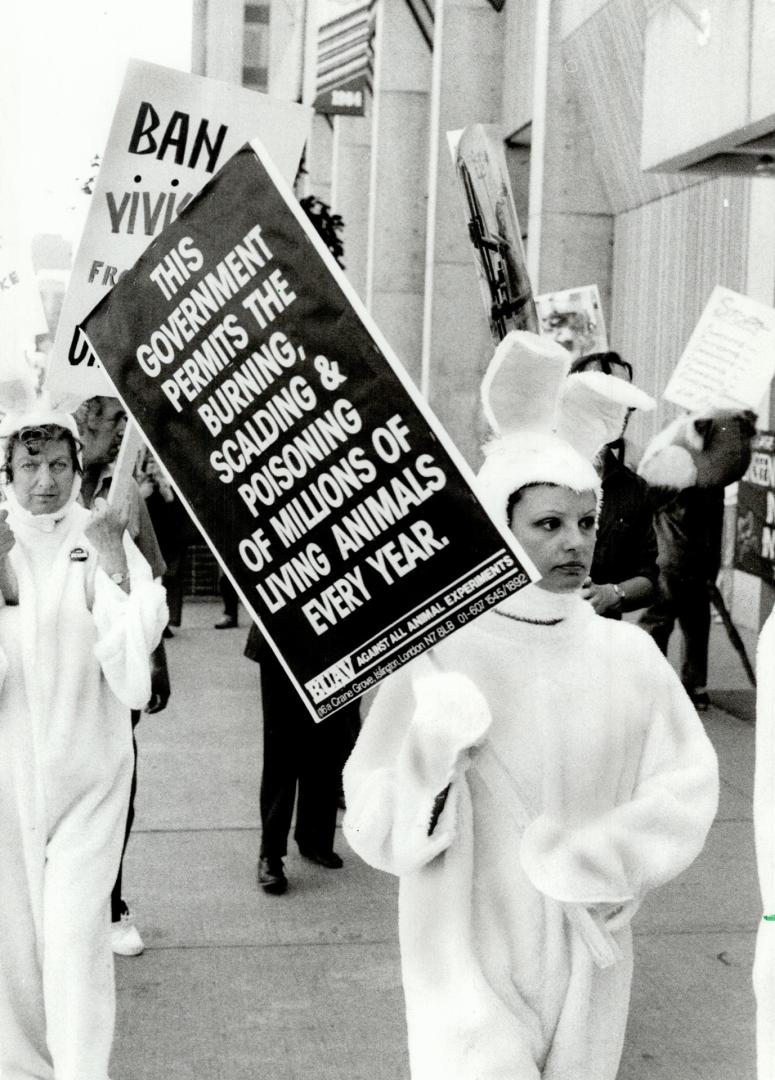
column 638, row 135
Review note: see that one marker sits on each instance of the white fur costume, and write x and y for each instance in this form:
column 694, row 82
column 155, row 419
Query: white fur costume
column 764, row 832
column 579, row 778
column 594, row 783
column 75, row 653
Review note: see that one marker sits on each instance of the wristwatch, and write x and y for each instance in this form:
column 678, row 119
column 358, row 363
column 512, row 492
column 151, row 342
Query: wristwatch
column 119, row 578
column 620, row 593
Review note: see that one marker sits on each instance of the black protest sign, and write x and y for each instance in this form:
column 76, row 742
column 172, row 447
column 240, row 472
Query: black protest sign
column 755, row 519
column 331, row 495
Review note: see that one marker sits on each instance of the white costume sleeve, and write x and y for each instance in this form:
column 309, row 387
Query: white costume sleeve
column 129, row 627
column 413, row 744
column 764, row 834
column 651, row 836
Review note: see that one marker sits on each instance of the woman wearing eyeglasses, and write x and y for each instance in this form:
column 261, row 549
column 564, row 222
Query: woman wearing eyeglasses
column 624, row 573
column 80, row 615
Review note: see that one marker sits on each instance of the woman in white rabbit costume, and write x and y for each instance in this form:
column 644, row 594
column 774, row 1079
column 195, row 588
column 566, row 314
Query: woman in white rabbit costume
column 578, row 773
column 80, row 614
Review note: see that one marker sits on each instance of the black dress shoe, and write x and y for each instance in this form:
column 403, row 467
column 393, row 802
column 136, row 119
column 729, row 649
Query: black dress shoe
column 329, row 859
column 226, row 623
column 271, row 877
column 700, row 700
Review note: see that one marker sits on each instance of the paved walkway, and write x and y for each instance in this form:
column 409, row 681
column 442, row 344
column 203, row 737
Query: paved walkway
column 237, row 985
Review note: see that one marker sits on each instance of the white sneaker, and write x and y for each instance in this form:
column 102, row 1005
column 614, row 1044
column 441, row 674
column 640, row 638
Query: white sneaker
column 125, row 938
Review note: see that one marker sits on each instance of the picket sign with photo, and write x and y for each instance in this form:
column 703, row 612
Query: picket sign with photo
column 330, row 493
column 171, row 131
column 493, row 228
column 574, row 318
column 729, row 360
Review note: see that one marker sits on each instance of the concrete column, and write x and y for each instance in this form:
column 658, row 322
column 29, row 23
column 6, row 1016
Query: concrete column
column 570, row 225
column 216, row 49
column 318, row 156
column 398, row 181
column 350, row 192
column 286, row 49
column 467, row 89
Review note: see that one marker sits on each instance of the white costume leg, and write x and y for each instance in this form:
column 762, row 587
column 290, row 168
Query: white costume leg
column 23, row 1051
column 589, row 1036
column 459, row 1027
column 83, row 855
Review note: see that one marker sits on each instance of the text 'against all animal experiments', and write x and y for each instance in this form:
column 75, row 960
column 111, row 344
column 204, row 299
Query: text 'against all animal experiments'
column 333, row 497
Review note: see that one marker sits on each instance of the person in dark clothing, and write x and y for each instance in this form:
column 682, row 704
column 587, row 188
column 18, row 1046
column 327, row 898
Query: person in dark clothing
column 687, row 466
column 689, row 525
column 624, row 572
column 174, row 532
column 298, row 754
column 230, row 599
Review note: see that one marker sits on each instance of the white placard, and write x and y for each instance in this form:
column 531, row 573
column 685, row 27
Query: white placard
column 21, row 310
column 730, row 358
column 170, row 133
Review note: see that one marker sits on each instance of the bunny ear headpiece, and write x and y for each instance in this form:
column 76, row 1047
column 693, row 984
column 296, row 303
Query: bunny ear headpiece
column 23, row 406
column 593, row 408
column 549, row 427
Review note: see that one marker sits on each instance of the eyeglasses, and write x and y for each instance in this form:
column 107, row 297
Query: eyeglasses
column 33, row 434
column 52, row 432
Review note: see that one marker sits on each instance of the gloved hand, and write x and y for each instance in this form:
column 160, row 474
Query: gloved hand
column 451, row 716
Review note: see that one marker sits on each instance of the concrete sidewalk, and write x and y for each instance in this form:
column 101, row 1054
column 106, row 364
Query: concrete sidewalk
column 237, row 985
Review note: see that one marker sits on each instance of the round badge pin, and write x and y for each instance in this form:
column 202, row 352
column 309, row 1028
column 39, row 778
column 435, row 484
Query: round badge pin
column 79, row 554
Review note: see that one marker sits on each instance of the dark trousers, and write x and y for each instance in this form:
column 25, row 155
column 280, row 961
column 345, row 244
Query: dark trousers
column 229, row 597
column 686, row 600
column 173, row 585
column 115, row 896
column 298, row 753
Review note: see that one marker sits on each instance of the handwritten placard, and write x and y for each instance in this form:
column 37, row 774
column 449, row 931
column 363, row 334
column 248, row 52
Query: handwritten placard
column 730, row 358
column 171, row 131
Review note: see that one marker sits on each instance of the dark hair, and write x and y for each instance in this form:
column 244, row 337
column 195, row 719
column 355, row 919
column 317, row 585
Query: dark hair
column 515, row 496
column 32, row 439
column 91, row 410
column 604, row 360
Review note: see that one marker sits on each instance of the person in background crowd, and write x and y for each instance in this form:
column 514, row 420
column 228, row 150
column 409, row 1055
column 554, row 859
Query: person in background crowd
column 530, row 785
column 624, row 571
column 687, row 466
column 230, row 618
column 80, row 615
column 298, row 753
column 689, row 526
column 101, row 423
column 174, row 532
